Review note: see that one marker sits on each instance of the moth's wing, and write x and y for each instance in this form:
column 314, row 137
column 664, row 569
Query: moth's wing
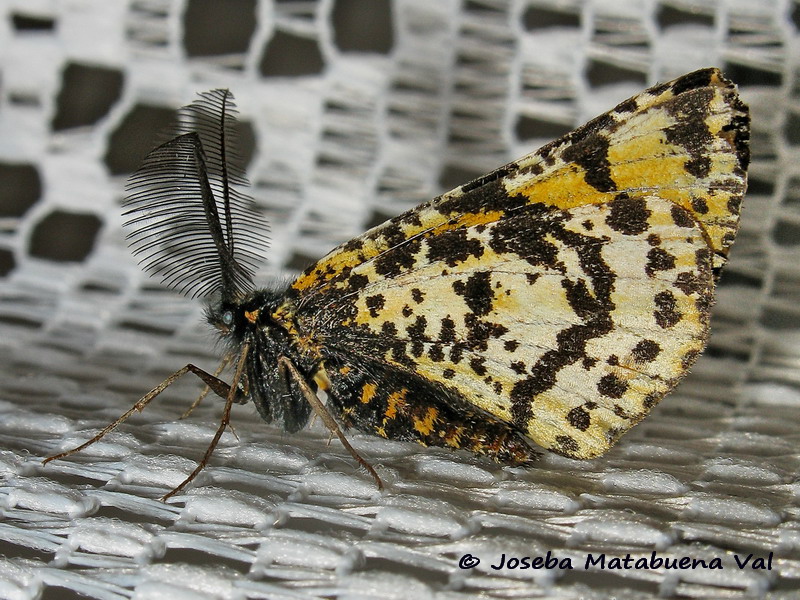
column 565, row 293
column 686, row 141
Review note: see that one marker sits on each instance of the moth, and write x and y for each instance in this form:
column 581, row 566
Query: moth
column 555, row 300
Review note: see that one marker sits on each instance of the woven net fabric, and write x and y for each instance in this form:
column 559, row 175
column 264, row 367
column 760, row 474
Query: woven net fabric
column 351, row 112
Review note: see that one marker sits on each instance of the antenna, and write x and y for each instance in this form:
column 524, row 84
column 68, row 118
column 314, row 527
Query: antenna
column 185, row 206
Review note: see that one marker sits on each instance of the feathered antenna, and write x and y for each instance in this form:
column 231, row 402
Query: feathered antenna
column 189, row 223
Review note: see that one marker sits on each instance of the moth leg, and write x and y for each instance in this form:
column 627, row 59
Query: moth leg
column 230, row 398
column 243, row 400
column 222, row 365
column 323, row 383
column 285, row 365
column 218, row 386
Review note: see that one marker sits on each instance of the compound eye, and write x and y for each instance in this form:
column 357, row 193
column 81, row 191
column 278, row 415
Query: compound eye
column 227, row 318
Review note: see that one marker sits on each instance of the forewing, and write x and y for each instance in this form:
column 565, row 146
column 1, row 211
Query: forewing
column 565, row 293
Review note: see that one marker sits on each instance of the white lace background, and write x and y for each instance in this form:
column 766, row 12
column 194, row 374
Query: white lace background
column 353, row 111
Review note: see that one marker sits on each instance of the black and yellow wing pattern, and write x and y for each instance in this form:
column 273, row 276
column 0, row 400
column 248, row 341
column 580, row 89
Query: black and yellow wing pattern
column 557, row 299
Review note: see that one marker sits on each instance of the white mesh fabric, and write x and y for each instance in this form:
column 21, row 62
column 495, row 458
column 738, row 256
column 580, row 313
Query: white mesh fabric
column 357, row 110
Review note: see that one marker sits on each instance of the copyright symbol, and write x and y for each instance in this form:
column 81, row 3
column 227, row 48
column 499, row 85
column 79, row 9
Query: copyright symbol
column 468, row 561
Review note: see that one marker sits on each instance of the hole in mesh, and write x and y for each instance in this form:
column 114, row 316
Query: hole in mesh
column 288, row 55
column 766, row 188
column 327, row 160
column 20, row 322
column 541, row 18
column 671, row 16
column 87, row 94
column 431, row 577
column 786, row 233
column 20, row 552
column 478, row 6
column 20, row 188
column 451, row 176
column 126, row 516
column 57, row 592
column 744, row 74
column 313, row 526
column 245, row 142
column 212, row 27
column 7, row 262
column 376, row 218
column 145, row 328
column 24, row 99
column 189, row 556
column 299, row 262
column 792, row 129
column 100, row 288
column 23, row 22
column 720, row 352
column 531, row 127
column 64, row 237
column 730, row 277
column 779, row 318
column 363, row 25
column 136, row 136
column 596, row 580
column 600, row 74
column 794, row 15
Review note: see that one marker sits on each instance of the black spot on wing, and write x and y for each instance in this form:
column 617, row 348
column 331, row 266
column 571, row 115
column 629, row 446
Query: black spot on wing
column 476, row 363
column 579, row 418
column 612, row 386
column 447, row 334
column 391, row 233
column 646, row 351
column 479, row 332
column 436, row 352
column 518, row 367
column 666, row 313
column 628, row 215
column 485, row 194
column 525, row 233
column 591, row 154
column 658, row 259
column 400, row 258
column 681, row 217
column 565, row 445
column 627, row 106
column 356, row 282
column 699, row 205
column 477, row 292
column 416, row 333
column 353, row 245
column 453, row 247
column 571, row 347
column 690, row 81
column 689, row 283
column 375, row 304
column 580, row 299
